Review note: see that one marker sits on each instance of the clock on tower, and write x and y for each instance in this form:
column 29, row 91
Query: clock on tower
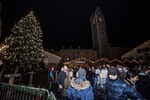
column 100, row 19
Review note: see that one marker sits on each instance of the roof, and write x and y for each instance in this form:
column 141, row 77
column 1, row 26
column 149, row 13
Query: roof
column 133, row 52
column 51, row 58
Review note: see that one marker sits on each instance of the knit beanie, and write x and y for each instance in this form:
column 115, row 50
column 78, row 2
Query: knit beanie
column 112, row 71
column 97, row 71
column 81, row 73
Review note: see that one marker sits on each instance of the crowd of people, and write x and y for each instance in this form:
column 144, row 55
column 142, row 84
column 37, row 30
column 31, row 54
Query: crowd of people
column 104, row 82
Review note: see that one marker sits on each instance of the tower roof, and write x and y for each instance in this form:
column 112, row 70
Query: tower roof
column 98, row 10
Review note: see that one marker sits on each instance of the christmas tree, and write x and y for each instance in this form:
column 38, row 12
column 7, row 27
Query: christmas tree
column 25, row 43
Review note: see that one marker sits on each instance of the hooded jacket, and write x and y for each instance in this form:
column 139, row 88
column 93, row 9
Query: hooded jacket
column 80, row 89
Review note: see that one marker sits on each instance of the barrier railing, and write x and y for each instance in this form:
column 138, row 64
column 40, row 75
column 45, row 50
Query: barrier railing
column 18, row 92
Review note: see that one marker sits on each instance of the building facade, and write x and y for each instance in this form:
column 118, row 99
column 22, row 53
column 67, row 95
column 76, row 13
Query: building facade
column 71, row 54
column 141, row 52
column 115, row 52
column 51, row 58
column 99, row 34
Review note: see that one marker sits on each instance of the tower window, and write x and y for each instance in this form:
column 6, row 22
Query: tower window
column 102, row 33
column 93, row 21
column 138, row 50
column 87, row 53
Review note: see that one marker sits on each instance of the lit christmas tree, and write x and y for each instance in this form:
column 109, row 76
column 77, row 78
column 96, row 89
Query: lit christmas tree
column 25, row 43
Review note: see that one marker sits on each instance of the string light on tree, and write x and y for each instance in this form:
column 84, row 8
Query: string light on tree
column 25, row 42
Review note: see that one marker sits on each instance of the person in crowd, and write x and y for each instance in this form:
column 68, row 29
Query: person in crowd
column 122, row 73
column 117, row 89
column 97, row 71
column 60, row 80
column 50, row 77
column 90, row 76
column 67, row 83
column 80, row 88
column 143, row 84
column 75, row 69
column 100, row 85
column 132, row 78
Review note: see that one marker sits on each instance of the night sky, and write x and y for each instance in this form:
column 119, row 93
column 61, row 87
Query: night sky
column 67, row 22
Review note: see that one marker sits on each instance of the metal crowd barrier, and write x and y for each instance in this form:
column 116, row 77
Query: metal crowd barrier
column 18, row 92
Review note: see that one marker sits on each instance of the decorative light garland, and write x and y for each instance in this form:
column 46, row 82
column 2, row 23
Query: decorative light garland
column 104, row 60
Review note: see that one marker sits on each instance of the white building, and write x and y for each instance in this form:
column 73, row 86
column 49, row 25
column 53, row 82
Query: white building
column 51, row 58
column 140, row 52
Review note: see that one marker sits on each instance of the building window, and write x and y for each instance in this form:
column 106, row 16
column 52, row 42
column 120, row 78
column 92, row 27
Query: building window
column 102, row 33
column 68, row 53
column 146, row 56
column 138, row 50
column 140, row 57
column 113, row 53
column 146, row 49
column 93, row 21
column 87, row 53
column 131, row 58
column 67, row 59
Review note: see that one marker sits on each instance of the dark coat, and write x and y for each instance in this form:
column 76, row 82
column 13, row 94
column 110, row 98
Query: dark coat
column 143, row 85
column 119, row 90
column 99, row 90
column 61, row 78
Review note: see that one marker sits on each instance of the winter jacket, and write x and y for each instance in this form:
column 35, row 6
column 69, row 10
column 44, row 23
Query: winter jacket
column 98, row 80
column 81, row 91
column 143, row 85
column 95, row 81
column 60, row 80
column 120, row 90
column 99, row 88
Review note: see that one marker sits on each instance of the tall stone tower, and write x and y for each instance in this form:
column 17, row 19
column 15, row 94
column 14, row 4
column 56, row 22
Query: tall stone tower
column 0, row 21
column 99, row 34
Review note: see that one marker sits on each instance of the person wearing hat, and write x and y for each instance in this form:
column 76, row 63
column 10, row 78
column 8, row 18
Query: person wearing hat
column 80, row 88
column 97, row 71
column 117, row 89
column 100, row 84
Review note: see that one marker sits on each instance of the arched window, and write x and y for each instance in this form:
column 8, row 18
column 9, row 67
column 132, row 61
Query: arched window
column 146, row 56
